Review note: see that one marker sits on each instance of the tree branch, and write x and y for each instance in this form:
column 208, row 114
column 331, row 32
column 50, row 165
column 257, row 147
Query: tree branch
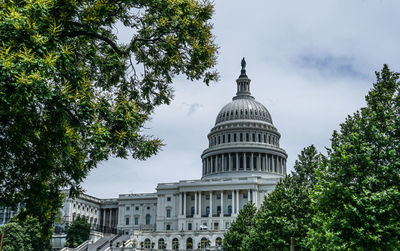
column 109, row 41
column 95, row 35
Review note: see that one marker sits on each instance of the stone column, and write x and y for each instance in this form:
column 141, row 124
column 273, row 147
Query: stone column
column 252, row 162
column 180, row 204
column 195, row 203
column 184, row 204
column 222, row 204
column 211, row 210
column 273, row 164
column 216, row 163
column 223, row 163
column 233, row 202
column 255, row 195
column 284, row 167
column 237, row 201
column 237, row 162
column 200, row 203
column 259, row 162
column 244, row 162
column 230, row 162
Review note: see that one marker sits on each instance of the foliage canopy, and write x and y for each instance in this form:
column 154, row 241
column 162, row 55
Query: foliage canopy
column 78, row 232
column 286, row 212
column 22, row 237
column 72, row 95
column 240, row 228
column 357, row 197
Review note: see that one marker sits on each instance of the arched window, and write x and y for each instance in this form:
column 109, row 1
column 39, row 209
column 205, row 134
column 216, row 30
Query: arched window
column 175, row 244
column 161, row 243
column 204, row 242
column 147, row 219
column 147, row 243
column 189, row 243
column 229, row 210
column 218, row 242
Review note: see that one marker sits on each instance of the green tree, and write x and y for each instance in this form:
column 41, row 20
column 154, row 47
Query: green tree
column 357, row 196
column 14, row 238
column 240, row 228
column 21, row 237
column 78, row 232
column 72, row 95
column 286, row 212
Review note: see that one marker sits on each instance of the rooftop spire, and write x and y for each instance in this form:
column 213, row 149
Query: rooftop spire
column 243, row 71
column 243, row 84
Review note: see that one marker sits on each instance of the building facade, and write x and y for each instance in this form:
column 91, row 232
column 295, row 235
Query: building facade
column 242, row 164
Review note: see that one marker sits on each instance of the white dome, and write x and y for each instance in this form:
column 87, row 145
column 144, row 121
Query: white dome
column 244, row 108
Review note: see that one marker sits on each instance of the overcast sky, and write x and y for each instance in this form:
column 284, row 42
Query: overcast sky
column 311, row 64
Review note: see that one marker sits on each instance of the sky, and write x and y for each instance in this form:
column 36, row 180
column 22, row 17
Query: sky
column 311, row 64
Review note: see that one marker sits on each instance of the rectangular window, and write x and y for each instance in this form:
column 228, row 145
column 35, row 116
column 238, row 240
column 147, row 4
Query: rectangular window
column 245, row 196
column 234, row 137
column 168, row 198
column 137, row 208
column 226, row 225
column 136, row 220
column 207, row 197
column 254, row 137
column 229, row 138
column 168, row 213
column 126, row 221
column 247, row 137
column 192, row 197
column 229, row 196
column 218, row 196
column 241, row 137
column 168, row 227
column 127, row 208
column 189, row 226
column 223, row 139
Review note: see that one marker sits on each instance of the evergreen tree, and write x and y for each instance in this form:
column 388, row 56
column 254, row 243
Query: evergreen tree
column 286, row 212
column 357, row 197
column 233, row 238
column 78, row 232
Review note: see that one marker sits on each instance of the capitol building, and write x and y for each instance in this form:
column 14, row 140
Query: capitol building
column 242, row 163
